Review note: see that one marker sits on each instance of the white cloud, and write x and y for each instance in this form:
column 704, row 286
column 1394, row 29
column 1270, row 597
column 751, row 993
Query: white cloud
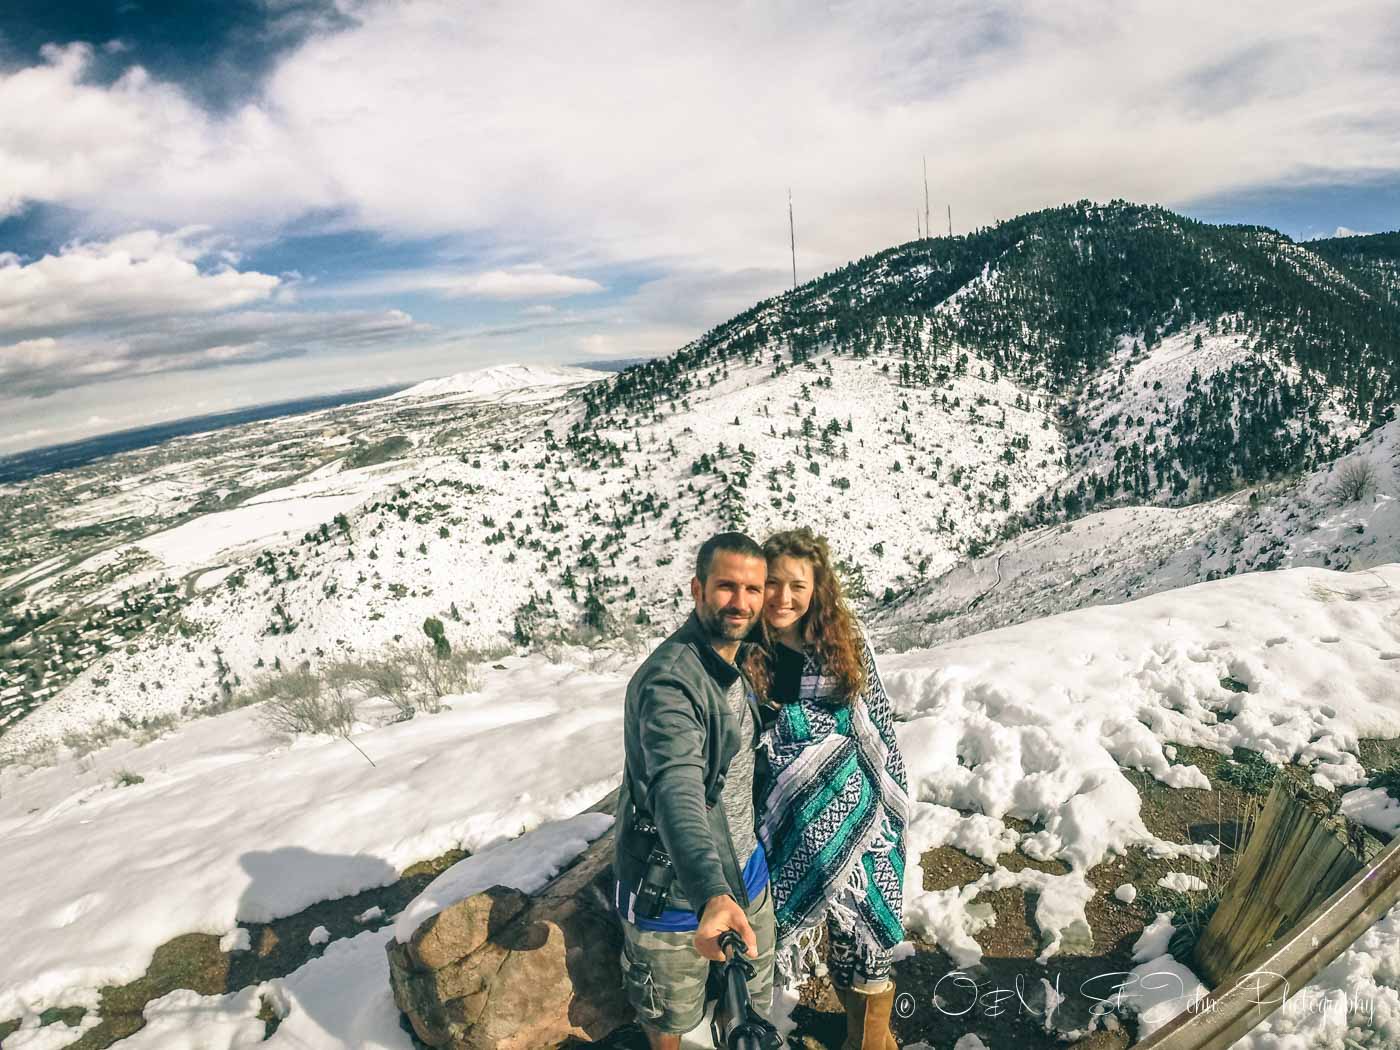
column 43, row 366
column 573, row 134
column 529, row 281
column 523, row 283
column 139, row 275
column 598, row 344
column 30, row 438
column 140, row 152
column 1346, row 231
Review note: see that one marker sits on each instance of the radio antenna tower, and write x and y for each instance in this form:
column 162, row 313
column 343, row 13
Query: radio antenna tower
column 918, row 233
column 950, row 220
column 792, row 236
column 928, row 230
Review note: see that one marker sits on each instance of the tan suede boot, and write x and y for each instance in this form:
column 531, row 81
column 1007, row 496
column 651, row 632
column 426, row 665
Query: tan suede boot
column 868, row 1019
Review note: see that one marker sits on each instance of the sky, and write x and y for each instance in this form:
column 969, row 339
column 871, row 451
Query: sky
column 209, row 206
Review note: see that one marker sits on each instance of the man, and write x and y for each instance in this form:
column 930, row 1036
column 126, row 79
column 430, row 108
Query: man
column 690, row 728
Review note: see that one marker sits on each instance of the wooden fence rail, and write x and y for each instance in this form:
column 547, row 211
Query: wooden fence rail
column 1226, row 1014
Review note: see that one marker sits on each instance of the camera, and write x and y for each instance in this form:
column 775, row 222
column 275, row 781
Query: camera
column 656, row 883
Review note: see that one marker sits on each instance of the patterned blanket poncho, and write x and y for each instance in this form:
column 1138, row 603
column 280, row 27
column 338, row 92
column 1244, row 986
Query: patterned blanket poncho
column 834, row 818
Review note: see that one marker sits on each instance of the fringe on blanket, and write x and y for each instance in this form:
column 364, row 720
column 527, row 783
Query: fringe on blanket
column 799, row 955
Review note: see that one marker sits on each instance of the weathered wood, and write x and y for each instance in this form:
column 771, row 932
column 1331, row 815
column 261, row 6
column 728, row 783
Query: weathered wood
column 1295, row 858
column 1222, row 1018
column 504, row 971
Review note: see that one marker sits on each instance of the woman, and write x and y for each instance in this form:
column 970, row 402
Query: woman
column 834, row 797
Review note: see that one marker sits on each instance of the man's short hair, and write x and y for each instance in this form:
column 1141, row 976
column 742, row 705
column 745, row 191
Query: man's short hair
column 730, row 543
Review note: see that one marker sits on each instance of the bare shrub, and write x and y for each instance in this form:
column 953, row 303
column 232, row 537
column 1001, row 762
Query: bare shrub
column 388, row 679
column 436, row 677
column 227, row 702
column 635, row 639
column 95, row 736
column 344, row 679
column 153, row 727
column 296, row 702
column 35, row 756
column 463, row 672
column 484, row 653
column 907, row 636
column 1357, row 481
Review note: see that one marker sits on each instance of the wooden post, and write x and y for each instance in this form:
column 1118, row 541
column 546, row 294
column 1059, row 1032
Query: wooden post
column 1295, row 858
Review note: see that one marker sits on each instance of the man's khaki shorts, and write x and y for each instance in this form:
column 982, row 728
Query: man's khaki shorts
column 665, row 976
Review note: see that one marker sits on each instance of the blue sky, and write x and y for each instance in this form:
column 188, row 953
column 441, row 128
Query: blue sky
column 211, row 205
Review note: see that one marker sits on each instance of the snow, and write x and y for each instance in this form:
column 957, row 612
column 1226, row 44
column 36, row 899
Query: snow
column 1158, row 990
column 1131, row 551
column 236, row 940
column 1374, row 808
column 1031, row 721
column 1354, row 1002
column 1179, row 880
column 320, row 935
column 1127, row 893
column 205, row 580
column 1034, row 721
column 489, row 459
column 341, row 999
column 258, row 828
column 336, row 1001
column 1153, row 941
column 526, row 863
column 51, row 1037
column 275, row 515
column 501, row 380
column 188, row 1019
column 370, row 914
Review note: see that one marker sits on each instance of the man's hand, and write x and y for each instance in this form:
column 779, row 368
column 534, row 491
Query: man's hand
column 720, row 914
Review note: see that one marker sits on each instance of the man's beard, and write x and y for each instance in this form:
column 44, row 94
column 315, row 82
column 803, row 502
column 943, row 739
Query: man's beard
column 722, row 629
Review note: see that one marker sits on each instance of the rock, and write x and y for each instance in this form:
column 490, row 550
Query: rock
column 456, row 932
column 506, row 971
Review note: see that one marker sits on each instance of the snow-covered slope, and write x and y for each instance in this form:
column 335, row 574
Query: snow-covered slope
column 1033, row 722
column 1113, row 555
column 483, row 521
column 499, row 380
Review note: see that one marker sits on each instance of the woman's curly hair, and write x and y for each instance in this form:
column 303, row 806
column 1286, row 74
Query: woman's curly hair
column 828, row 625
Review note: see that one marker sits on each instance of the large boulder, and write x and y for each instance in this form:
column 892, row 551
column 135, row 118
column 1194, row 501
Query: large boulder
column 504, row 971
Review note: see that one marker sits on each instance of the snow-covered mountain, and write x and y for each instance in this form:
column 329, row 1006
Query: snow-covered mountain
column 502, row 381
